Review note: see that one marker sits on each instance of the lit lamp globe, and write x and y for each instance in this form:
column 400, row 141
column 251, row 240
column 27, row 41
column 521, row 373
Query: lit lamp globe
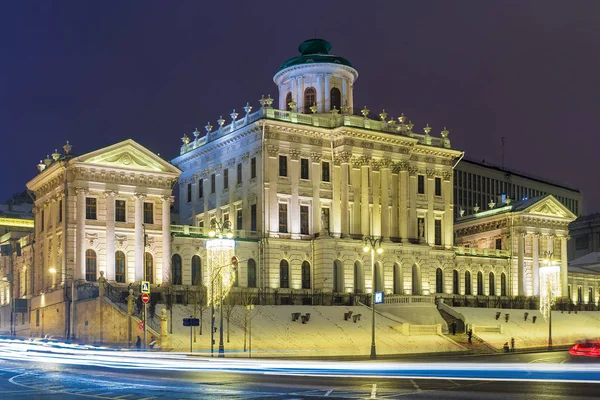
column 380, row 250
column 366, row 249
column 212, row 234
column 52, row 270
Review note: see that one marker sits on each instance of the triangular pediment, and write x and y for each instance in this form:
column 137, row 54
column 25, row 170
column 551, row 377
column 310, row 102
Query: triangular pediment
column 549, row 206
column 129, row 155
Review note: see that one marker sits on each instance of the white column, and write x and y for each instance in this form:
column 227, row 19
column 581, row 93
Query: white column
column 395, row 222
column 344, row 91
column 356, row 192
column 385, row 199
column 345, row 229
column 315, row 176
column 536, row 263
column 520, row 270
column 564, row 267
column 376, row 208
column 80, row 274
column 364, row 200
column 403, row 217
column 336, row 189
column 448, row 220
column 110, row 235
column 327, row 92
column 430, row 221
column 412, row 207
column 300, row 94
column 294, row 210
column 166, row 238
column 139, row 236
column 294, row 91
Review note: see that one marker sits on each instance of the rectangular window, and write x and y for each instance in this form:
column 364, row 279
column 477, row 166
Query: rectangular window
column 226, row 179
column 421, row 184
column 120, row 210
column 325, row 218
column 226, row 219
column 42, row 221
column 213, row 184
column 60, row 211
column 253, row 218
column 90, row 208
column 283, row 224
column 253, row 168
column 238, row 219
column 325, row 171
column 282, row 165
column 239, row 174
column 498, row 244
column 438, row 232
column 189, row 192
column 438, row 186
column 304, row 220
column 148, row 213
column 201, row 188
column 304, row 168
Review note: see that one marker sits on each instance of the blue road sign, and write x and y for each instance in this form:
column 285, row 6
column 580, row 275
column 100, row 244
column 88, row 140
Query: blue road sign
column 145, row 287
column 191, row 322
column 378, row 297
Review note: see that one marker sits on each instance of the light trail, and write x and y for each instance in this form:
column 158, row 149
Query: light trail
column 66, row 354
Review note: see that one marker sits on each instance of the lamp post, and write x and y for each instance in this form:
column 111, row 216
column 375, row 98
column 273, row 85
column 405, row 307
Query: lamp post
column 373, row 245
column 219, row 248
column 70, row 335
column 550, row 286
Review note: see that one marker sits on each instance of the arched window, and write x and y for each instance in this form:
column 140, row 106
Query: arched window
column 176, row 269
column 120, row 267
column 455, row 282
column 336, row 98
column 359, row 278
column 284, row 274
column 468, row 283
column 310, row 98
column 90, row 265
column 579, row 295
column 397, row 279
column 503, row 285
column 439, row 281
column 492, row 284
column 338, row 276
column 251, row 273
column 379, row 277
column 288, row 100
column 305, row 275
column 196, row 271
column 149, row 268
column 479, row 283
column 416, row 280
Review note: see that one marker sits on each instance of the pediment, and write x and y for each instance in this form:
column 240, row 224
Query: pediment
column 129, row 155
column 549, row 206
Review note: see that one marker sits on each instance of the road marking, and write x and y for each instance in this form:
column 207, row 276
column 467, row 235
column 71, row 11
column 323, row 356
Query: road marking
column 328, row 392
column 374, row 391
column 454, row 383
column 415, row 385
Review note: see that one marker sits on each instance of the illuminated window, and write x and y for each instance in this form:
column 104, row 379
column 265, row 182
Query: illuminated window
column 90, row 208
column 176, row 277
column 120, row 210
column 90, row 265
column 336, row 98
column 149, row 268
column 120, row 267
column 288, row 100
column 284, row 274
column 196, row 271
column 310, row 98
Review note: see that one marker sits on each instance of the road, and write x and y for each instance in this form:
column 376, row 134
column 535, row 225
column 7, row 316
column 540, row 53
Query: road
column 32, row 380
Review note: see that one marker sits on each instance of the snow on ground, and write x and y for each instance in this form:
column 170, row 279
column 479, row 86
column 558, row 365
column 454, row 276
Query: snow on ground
column 326, row 333
column 566, row 328
column 418, row 314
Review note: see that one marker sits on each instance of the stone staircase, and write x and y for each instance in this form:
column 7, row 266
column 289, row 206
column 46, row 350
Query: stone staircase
column 477, row 346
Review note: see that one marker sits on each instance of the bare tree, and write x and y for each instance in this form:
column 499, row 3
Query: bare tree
column 198, row 303
column 246, row 299
column 229, row 303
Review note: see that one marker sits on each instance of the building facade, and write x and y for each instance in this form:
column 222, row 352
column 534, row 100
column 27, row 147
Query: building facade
column 477, row 185
column 585, row 236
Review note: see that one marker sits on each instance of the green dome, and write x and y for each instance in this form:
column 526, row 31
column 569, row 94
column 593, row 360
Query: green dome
column 315, row 51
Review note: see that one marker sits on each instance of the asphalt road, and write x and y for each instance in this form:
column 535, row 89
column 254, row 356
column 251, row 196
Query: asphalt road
column 27, row 380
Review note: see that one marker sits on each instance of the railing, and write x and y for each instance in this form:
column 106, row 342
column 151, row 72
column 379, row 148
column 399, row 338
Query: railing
column 417, row 330
column 487, row 328
column 196, row 230
column 327, row 120
column 409, row 300
column 475, row 251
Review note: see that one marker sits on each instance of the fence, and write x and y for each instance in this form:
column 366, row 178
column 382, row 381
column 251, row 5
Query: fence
column 408, row 300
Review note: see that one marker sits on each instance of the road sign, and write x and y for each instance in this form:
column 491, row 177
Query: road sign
column 145, row 287
column 234, row 261
column 191, row 322
column 378, row 297
column 145, row 297
column 141, row 325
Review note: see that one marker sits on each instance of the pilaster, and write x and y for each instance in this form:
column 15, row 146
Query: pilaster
column 110, row 234
column 139, row 237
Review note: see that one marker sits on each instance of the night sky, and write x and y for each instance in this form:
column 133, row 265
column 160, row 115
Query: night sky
column 95, row 73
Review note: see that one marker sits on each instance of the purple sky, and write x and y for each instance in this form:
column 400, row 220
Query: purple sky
column 99, row 72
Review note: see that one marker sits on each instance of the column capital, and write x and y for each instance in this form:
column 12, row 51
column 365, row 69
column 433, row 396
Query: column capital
column 294, row 154
column 273, row 150
column 140, row 196
column 385, row 163
column 344, row 157
column 315, row 157
column 80, row 190
column 167, row 199
column 110, row 193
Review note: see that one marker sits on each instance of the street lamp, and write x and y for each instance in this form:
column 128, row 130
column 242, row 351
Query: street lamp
column 373, row 245
column 70, row 333
column 549, row 291
column 220, row 256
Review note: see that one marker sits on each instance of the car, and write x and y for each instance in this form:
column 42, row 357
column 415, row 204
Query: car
column 585, row 350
